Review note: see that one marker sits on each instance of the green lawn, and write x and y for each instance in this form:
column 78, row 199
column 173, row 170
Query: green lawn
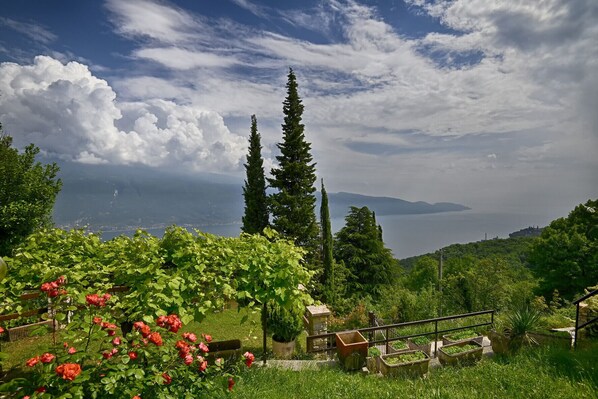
column 538, row 373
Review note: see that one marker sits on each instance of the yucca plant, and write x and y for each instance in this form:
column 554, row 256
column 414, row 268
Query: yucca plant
column 520, row 323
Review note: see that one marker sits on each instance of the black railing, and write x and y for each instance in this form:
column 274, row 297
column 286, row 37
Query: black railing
column 579, row 326
column 388, row 332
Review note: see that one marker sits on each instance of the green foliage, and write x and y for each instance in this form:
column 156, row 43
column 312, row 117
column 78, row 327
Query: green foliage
column 454, row 349
column 359, row 246
column 183, row 273
column 293, row 202
column 423, row 274
column 28, row 190
column 256, row 217
column 521, row 321
column 565, row 257
column 328, row 277
column 470, row 284
column 373, row 351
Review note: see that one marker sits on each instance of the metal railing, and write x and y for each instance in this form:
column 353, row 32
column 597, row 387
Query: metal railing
column 578, row 326
column 388, row 331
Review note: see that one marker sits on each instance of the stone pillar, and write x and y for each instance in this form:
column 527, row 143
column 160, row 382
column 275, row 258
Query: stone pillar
column 317, row 323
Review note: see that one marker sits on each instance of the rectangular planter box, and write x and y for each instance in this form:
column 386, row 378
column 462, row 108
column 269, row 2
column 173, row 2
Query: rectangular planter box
column 446, row 339
column 373, row 364
column 499, row 341
column 426, row 348
column 352, row 349
column 228, row 350
column 393, row 350
column 20, row 332
column 557, row 340
column 463, row 358
column 417, row 368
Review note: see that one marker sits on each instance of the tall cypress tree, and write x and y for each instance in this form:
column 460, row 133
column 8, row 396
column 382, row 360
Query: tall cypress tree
column 327, row 258
column 256, row 203
column 293, row 203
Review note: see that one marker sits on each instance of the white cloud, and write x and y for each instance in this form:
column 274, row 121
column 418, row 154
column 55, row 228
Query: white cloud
column 34, row 31
column 67, row 111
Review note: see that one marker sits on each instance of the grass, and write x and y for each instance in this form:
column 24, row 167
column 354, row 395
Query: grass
column 542, row 373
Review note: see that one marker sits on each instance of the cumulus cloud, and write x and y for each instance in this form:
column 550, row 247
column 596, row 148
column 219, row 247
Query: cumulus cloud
column 68, row 112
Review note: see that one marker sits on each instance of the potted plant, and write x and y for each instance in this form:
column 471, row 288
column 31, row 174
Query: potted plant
column 285, row 326
column 460, row 353
column 422, row 343
column 461, row 336
column 398, row 346
column 352, row 349
column 373, row 359
column 410, row 363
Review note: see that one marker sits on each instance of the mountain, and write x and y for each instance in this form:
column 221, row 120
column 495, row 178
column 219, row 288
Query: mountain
column 124, row 198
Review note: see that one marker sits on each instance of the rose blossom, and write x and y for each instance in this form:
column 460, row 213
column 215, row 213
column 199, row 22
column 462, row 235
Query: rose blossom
column 231, row 383
column 47, row 357
column 190, row 337
column 68, row 371
column 167, row 378
column 132, row 355
column 249, row 358
column 72, row 350
column 155, row 338
column 33, row 361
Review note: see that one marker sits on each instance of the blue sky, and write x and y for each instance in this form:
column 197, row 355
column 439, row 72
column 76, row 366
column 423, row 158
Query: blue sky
column 487, row 103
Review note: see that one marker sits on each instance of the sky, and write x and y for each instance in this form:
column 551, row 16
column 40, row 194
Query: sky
column 492, row 104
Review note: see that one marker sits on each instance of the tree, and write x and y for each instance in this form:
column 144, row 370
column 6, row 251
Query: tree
column 359, row 246
column 293, row 203
column 565, row 256
column 28, row 190
column 256, row 216
column 327, row 258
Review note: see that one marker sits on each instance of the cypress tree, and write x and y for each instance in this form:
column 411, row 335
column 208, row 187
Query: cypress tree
column 327, row 258
column 293, row 203
column 256, row 204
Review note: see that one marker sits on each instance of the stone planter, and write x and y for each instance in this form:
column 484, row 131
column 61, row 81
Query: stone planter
column 373, row 364
column 283, row 350
column 426, row 348
column 468, row 357
column 557, row 339
column 501, row 343
column 20, row 332
column 228, row 350
column 417, row 368
column 352, row 349
column 447, row 339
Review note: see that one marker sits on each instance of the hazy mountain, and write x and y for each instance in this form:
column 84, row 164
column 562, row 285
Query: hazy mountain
column 115, row 197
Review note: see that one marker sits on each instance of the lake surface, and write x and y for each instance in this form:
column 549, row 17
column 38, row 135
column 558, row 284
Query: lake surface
column 411, row 235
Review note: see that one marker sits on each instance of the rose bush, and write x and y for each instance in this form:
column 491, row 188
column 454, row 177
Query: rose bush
column 152, row 361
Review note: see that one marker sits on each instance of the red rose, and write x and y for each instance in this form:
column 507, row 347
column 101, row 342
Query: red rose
column 1, row 330
column 65, row 345
column 97, row 320
column 116, row 341
column 60, row 280
column 203, row 365
column 53, row 293
column 190, row 337
column 47, row 357
column 161, row 321
column 231, row 383
column 32, row 362
column 249, row 358
column 167, row 378
column 203, row 347
column 207, row 337
column 46, row 287
column 155, row 338
column 68, row 371
column 72, row 350
column 132, row 355
column 136, row 397
column 41, row 390
column 188, row 359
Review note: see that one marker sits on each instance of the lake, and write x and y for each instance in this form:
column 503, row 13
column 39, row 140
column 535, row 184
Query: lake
column 410, row 235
